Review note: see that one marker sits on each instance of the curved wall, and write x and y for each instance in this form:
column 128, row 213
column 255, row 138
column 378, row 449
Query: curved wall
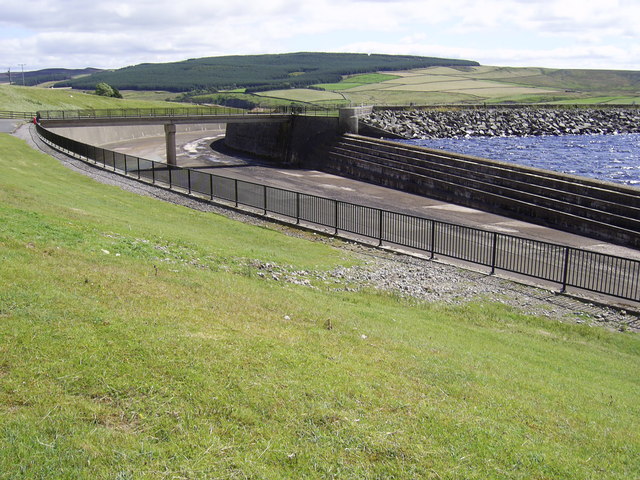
column 100, row 136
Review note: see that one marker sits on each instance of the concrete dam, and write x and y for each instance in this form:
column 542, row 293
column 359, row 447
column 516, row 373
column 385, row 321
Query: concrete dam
column 347, row 146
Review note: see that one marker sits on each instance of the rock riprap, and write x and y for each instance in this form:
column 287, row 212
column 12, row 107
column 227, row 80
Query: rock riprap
column 503, row 122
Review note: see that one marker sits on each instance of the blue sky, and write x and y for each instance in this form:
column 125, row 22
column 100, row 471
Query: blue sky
column 114, row 34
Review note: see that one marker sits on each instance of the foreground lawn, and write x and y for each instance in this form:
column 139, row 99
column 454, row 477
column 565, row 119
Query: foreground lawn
column 138, row 340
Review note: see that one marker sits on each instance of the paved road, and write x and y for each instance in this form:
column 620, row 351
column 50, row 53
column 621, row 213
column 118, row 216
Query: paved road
column 8, row 126
column 195, row 152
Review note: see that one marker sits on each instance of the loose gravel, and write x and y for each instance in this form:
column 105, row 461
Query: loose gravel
column 403, row 275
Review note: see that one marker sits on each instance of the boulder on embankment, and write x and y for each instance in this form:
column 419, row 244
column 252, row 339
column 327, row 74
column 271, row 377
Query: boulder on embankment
column 492, row 122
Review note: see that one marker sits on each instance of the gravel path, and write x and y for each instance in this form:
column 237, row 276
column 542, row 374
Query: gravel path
column 403, row 275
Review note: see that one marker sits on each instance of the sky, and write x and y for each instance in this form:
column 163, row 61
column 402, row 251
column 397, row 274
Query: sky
column 598, row 34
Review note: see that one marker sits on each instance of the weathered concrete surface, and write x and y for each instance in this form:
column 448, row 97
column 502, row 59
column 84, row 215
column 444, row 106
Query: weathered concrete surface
column 101, row 136
column 302, row 141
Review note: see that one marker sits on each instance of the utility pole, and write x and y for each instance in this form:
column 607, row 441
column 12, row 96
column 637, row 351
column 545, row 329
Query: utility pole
column 22, row 67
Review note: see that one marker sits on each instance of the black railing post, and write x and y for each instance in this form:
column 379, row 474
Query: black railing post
column 153, row 173
column 138, row 158
column 235, row 183
column 189, row 180
column 170, row 178
column 565, row 270
column 379, row 227
column 433, row 239
column 264, row 199
column 211, row 186
column 335, row 217
column 297, row 208
column 494, row 251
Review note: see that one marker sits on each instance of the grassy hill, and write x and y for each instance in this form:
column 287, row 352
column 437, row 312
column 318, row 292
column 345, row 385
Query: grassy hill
column 37, row 77
column 31, row 99
column 138, row 339
column 334, row 79
column 258, row 72
column 447, row 85
column 485, row 84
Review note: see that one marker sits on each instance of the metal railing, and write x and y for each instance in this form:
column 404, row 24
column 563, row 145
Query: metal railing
column 194, row 111
column 564, row 265
column 19, row 115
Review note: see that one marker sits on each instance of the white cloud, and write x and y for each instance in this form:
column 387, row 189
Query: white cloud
column 110, row 34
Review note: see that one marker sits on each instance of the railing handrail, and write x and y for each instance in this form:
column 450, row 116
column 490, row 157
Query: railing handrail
column 12, row 114
column 606, row 274
column 195, row 111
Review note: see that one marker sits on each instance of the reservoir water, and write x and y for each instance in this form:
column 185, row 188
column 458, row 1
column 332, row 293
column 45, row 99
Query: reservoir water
column 613, row 158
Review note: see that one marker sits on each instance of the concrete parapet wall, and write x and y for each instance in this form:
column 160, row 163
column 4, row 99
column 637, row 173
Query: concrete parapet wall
column 301, row 142
column 100, row 136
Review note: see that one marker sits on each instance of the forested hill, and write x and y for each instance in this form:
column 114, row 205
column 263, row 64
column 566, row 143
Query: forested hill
column 37, row 77
column 255, row 72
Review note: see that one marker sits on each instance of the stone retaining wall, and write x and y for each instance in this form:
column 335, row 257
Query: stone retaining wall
column 492, row 122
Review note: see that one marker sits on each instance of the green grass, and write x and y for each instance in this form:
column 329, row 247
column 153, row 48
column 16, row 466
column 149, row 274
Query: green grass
column 304, row 95
column 353, row 81
column 139, row 340
column 31, row 99
column 152, row 96
column 603, row 100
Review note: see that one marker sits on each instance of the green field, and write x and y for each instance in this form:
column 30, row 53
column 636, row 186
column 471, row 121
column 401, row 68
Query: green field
column 31, row 99
column 486, row 84
column 304, row 95
column 353, row 81
column 140, row 339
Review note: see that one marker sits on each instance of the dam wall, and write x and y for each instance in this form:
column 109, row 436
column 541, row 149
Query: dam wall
column 582, row 206
column 301, row 142
column 587, row 207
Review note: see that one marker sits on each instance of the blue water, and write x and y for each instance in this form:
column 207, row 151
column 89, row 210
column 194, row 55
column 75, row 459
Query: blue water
column 614, row 158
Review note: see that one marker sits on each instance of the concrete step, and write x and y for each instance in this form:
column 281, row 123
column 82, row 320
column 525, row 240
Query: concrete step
column 479, row 198
column 565, row 183
column 506, row 185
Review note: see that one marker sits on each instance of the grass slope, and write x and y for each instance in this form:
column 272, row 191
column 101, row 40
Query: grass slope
column 31, row 99
column 138, row 340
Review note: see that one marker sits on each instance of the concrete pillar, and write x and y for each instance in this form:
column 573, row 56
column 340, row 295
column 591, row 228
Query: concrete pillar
column 348, row 120
column 170, row 137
